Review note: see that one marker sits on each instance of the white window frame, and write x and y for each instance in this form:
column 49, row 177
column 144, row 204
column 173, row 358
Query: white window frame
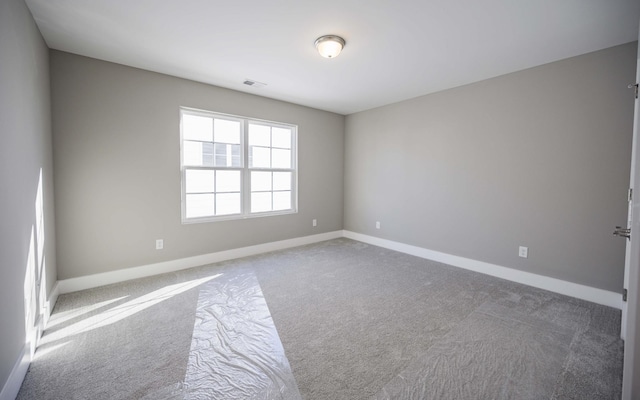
column 245, row 175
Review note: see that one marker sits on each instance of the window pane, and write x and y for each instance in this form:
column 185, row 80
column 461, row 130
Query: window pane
column 195, row 127
column 260, row 202
column 199, row 205
column 192, row 153
column 198, row 153
column 227, row 181
column 281, row 158
column 281, row 200
column 227, row 131
column 259, row 135
column 199, row 181
column 260, row 157
column 227, row 155
column 207, row 154
column 281, row 137
column 282, row 181
column 227, row 203
column 260, row 181
column 235, row 155
column 220, row 154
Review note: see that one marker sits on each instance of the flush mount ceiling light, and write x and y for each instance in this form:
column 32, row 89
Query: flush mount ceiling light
column 329, row 46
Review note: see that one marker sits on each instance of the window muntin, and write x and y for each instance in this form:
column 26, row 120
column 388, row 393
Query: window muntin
column 235, row 167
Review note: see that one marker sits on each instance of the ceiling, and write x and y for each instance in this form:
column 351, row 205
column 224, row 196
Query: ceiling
column 395, row 50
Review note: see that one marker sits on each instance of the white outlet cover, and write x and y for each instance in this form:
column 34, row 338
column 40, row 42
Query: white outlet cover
column 377, row 224
column 159, row 244
column 523, row 252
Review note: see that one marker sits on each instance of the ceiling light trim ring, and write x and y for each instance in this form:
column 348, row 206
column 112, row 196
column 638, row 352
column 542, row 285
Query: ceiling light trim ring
column 329, row 46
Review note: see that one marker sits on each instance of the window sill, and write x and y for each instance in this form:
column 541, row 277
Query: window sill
column 234, row 217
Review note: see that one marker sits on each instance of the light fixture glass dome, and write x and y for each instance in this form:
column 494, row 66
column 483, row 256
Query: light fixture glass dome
column 329, row 46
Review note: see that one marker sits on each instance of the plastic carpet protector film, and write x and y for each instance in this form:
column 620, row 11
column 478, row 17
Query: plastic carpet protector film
column 235, row 352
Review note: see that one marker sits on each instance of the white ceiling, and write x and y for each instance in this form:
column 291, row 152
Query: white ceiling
column 395, row 49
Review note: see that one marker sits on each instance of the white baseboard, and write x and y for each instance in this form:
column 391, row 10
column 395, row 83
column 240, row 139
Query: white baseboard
column 583, row 292
column 121, row 275
column 595, row 295
column 12, row 386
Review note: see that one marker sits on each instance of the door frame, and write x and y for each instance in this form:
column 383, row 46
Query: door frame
column 630, row 329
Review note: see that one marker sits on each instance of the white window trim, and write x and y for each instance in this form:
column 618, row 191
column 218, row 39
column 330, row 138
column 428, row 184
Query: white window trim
column 245, row 181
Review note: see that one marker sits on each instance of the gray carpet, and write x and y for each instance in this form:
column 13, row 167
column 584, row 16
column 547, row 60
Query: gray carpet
column 355, row 322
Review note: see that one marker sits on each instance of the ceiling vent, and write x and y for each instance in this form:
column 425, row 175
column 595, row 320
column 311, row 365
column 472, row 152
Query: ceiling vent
column 254, row 84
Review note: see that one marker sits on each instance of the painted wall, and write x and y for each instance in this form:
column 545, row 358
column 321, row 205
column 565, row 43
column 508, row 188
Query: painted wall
column 27, row 242
column 537, row 158
column 116, row 141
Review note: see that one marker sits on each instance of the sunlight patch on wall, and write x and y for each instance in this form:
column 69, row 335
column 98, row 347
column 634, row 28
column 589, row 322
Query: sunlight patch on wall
column 30, row 295
column 35, row 291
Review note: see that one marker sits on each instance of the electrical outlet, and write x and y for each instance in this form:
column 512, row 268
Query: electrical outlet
column 377, row 224
column 159, row 244
column 523, row 252
column 314, row 222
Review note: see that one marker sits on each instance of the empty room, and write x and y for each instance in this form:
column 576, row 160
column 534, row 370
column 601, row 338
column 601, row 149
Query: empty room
column 319, row 200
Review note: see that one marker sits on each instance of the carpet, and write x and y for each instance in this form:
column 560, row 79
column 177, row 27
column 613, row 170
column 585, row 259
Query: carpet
column 352, row 321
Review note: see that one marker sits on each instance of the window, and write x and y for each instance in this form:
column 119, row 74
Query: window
column 235, row 167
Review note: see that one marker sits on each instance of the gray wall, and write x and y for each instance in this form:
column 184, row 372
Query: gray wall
column 116, row 143
column 25, row 149
column 538, row 158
